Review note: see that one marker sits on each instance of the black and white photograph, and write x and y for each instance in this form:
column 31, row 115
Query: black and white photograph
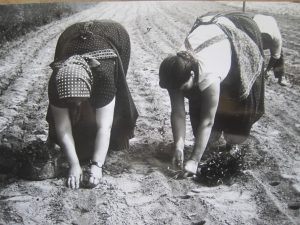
column 149, row 112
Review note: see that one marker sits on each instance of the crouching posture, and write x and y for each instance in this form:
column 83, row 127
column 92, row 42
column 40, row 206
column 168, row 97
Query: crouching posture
column 219, row 69
column 272, row 41
column 91, row 109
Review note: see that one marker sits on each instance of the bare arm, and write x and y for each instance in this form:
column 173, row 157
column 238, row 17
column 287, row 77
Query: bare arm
column 209, row 101
column 104, row 120
column 64, row 133
column 65, row 137
column 178, row 125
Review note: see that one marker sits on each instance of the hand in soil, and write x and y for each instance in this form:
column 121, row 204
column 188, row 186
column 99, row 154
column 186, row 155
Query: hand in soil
column 190, row 167
column 95, row 176
column 178, row 157
column 283, row 81
column 74, row 177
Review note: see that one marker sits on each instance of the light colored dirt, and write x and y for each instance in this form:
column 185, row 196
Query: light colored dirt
column 138, row 188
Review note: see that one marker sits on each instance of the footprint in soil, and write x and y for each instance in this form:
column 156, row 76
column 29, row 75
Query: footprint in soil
column 202, row 222
column 185, row 197
column 274, row 183
column 294, row 205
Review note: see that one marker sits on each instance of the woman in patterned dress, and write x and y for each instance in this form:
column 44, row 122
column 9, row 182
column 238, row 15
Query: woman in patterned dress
column 90, row 106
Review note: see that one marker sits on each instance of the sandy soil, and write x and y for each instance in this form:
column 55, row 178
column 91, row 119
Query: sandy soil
column 138, row 187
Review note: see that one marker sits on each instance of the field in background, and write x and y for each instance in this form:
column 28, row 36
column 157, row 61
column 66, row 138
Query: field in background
column 18, row 19
column 139, row 185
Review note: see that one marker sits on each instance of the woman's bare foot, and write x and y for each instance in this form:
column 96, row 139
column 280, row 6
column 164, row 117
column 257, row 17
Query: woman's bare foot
column 75, row 176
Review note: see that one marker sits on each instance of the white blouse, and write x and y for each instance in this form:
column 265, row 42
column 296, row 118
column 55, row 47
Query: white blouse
column 268, row 25
column 214, row 60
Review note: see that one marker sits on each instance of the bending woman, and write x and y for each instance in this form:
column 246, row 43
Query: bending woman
column 220, row 70
column 272, row 41
column 91, row 109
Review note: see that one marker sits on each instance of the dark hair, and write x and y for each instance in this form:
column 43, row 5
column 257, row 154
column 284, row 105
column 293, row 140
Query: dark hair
column 176, row 70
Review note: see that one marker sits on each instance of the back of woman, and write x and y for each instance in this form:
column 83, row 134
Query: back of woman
column 88, row 36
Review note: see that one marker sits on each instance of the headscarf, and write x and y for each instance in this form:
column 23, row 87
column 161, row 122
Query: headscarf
column 74, row 78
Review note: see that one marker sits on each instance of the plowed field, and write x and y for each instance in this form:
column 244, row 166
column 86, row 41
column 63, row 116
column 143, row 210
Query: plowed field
column 138, row 187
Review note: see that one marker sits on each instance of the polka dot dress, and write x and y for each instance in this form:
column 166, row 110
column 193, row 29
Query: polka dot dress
column 90, row 36
column 108, row 81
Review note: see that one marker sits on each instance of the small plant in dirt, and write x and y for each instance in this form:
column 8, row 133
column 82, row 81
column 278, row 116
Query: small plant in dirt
column 220, row 167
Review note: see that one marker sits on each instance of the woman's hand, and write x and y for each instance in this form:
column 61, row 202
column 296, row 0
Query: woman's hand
column 191, row 167
column 75, row 176
column 178, row 158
